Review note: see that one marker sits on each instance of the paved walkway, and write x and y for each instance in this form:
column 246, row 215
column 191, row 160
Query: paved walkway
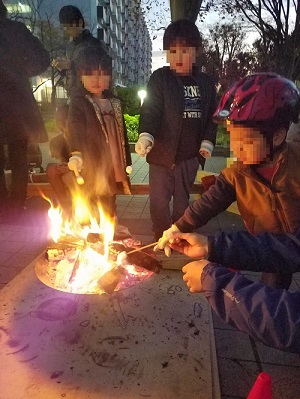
column 240, row 359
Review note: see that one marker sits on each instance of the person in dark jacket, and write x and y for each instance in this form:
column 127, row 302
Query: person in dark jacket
column 72, row 21
column 266, row 314
column 96, row 133
column 21, row 56
column 176, row 127
column 265, row 180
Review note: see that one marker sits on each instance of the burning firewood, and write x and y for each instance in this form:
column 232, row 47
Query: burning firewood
column 109, row 281
column 146, row 261
column 139, row 258
column 74, row 270
column 78, row 265
column 60, row 252
column 94, row 238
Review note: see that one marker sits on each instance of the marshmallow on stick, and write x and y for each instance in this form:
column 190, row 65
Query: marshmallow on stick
column 79, row 178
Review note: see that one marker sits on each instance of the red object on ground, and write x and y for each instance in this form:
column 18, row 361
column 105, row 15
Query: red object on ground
column 262, row 388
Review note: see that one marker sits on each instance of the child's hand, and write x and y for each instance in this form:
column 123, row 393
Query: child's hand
column 144, row 144
column 206, row 148
column 192, row 274
column 193, row 245
column 75, row 163
column 167, row 237
column 205, row 153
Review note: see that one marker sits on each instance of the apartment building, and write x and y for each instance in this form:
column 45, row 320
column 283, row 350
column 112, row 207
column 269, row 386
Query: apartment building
column 122, row 27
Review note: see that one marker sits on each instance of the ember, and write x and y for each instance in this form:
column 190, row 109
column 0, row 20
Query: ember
column 83, row 258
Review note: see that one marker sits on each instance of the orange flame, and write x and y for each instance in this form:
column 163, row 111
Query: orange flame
column 92, row 264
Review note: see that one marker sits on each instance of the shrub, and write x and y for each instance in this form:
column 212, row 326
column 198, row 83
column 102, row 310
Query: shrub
column 130, row 100
column 222, row 136
column 50, row 126
column 132, row 123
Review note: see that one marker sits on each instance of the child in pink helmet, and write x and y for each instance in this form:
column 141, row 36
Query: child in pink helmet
column 265, row 179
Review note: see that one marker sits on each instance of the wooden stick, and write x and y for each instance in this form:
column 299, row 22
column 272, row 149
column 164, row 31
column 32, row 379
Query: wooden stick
column 141, row 248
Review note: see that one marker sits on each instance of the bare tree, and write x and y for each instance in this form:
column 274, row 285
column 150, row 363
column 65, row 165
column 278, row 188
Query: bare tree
column 278, row 24
column 224, row 48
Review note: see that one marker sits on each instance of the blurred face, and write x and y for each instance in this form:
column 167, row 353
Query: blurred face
column 95, row 81
column 181, row 58
column 247, row 144
column 73, row 30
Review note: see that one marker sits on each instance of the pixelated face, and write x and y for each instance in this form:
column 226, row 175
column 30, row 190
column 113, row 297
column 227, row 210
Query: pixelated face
column 95, row 81
column 73, row 30
column 181, row 58
column 247, row 144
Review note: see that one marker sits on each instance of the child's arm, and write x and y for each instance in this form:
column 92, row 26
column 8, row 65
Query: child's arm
column 268, row 315
column 265, row 252
column 152, row 108
column 214, row 201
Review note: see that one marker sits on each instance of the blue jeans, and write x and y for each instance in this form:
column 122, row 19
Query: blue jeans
column 165, row 184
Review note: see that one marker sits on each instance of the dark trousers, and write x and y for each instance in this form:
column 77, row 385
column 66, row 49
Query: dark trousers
column 165, row 184
column 17, row 161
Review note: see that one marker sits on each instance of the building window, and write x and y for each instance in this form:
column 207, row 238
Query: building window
column 100, row 34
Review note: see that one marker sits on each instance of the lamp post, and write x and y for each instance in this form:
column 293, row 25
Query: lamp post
column 142, row 94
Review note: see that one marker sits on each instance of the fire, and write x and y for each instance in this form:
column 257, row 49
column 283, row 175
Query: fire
column 91, row 263
column 84, row 258
column 81, row 223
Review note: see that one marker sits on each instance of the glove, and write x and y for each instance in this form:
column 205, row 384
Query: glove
column 144, row 144
column 128, row 169
column 75, row 162
column 168, row 236
column 206, row 148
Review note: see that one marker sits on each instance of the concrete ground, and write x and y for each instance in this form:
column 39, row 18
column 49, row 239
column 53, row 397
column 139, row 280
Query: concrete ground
column 239, row 358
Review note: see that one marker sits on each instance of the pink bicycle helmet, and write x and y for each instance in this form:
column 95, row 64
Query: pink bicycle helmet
column 260, row 98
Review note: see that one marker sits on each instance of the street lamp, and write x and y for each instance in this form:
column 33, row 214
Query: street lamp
column 142, row 94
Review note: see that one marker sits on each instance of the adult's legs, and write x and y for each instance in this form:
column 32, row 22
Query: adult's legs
column 161, row 187
column 185, row 174
column 17, row 151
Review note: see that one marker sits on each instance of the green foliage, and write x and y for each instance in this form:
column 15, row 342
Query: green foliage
column 132, row 124
column 129, row 99
column 222, row 136
column 50, row 125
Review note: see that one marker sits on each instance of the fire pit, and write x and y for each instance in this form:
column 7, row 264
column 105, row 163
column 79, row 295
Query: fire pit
column 84, row 256
column 79, row 266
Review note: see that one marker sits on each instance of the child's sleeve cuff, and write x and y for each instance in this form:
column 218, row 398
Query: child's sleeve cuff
column 206, row 148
